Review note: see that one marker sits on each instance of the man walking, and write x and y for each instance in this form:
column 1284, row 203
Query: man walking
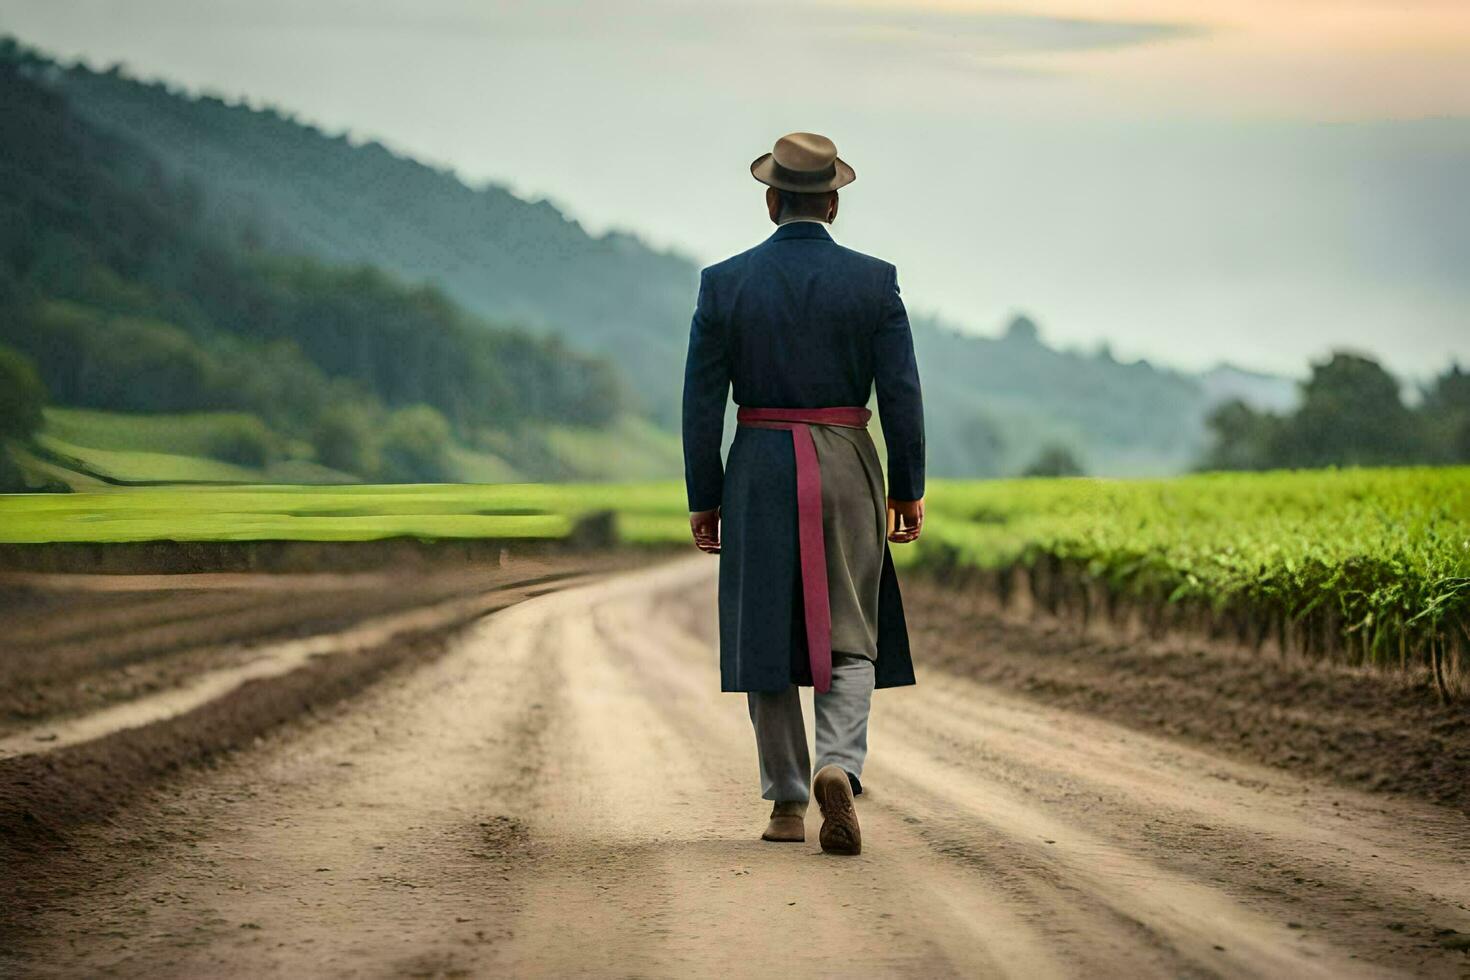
column 804, row 330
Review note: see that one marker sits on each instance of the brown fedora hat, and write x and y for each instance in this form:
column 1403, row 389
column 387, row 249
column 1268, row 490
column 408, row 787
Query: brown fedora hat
column 803, row 162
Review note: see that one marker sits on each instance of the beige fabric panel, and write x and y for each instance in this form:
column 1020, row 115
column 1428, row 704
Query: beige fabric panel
column 854, row 523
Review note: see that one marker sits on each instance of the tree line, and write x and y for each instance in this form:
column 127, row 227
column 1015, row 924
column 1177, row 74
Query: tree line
column 300, row 189
column 121, row 287
column 1352, row 413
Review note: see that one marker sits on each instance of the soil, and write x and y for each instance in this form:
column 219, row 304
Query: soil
column 559, row 789
column 1360, row 727
column 80, row 643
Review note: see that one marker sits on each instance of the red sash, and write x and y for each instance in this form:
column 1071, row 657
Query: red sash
column 813, row 545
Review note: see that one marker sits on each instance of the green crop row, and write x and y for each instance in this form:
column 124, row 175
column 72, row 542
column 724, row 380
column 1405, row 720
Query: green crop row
column 1377, row 562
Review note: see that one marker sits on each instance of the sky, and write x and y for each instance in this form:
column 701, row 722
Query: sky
column 1253, row 181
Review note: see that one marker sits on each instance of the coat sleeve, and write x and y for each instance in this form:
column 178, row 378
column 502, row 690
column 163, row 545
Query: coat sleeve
column 706, row 389
column 900, row 403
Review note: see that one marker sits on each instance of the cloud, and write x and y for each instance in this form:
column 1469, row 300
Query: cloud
column 997, row 34
column 722, row 21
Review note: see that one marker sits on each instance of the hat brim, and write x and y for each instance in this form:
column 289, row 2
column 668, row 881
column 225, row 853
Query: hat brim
column 764, row 169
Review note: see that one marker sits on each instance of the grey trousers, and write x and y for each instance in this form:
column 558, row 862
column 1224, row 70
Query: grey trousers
column 842, row 729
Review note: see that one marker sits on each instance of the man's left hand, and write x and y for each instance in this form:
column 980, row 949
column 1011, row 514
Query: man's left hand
column 706, row 527
column 905, row 520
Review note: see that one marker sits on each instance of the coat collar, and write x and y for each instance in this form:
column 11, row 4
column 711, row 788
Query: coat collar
column 800, row 229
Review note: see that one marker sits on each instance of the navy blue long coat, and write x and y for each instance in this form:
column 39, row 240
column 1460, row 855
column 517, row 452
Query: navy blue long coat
column 796, row 322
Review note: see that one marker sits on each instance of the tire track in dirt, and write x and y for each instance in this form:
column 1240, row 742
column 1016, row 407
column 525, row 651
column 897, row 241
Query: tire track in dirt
column 321, row 852
column 72, row 648
column 566, row 793
column 267, row 662
column 1104, row 928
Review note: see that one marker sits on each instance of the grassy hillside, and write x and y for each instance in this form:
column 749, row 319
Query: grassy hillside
column 137, row 466
column 85, row 449
column 196, row 434
column 81, row 446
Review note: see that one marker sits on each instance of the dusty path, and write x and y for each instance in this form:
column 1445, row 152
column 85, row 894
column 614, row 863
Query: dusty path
column 565, row 793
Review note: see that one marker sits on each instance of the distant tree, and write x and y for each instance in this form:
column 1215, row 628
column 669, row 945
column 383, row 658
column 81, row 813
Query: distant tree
column 12, row 479
column 244, row 440
column 154, row 367
column 415, row 447
column 1351, row 414
column 1445, row 412
column 1054, row 460
column 1023, row 330
column 22, row 396
column 345, row 440
column 22, row 401
column 1242, row 438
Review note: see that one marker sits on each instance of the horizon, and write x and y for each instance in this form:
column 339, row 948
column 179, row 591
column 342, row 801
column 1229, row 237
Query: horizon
column 1339, row 214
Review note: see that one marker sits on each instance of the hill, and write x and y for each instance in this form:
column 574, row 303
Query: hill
column 294, row 189
column 118, row 283
column 276, row 184
column 1000, row 398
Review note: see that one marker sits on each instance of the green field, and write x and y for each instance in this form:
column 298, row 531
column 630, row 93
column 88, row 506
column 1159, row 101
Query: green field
column 646, row 513
column 1371, row 565
column 84, row 449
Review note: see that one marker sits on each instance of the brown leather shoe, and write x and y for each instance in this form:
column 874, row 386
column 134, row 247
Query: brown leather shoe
column 788, row 823
column 840, row 832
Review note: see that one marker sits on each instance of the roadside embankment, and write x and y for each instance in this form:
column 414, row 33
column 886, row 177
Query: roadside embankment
column 1360, row 726
column 169, row 557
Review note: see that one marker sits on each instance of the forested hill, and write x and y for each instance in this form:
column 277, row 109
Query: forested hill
column 116, row 283
column 297, row 189
column 1000, row 401
column 266, row 179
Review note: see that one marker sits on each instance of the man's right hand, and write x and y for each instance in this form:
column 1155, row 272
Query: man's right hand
column 706, row 527
column 905, row 520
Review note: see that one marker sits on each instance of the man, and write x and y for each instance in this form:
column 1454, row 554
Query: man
column 804, row 329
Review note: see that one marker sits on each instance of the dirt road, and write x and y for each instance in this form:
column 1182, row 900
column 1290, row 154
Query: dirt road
column 565, row 793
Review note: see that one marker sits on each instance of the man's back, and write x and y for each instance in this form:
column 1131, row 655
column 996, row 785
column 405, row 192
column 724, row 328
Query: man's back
column 801, row 313
column 801, row 322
